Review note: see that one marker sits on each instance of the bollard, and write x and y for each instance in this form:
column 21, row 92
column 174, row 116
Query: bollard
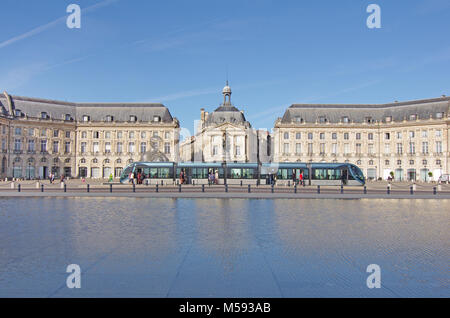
column 42, row 188
column 226, row 188
column 388, row 190
column 38, row 185
column 249, row 189
column 203, row 188
column 342, row 188
column 193, row 182
column 295, row 188
column 87, row 187
column 241, row 183
column 12, row 185
column 365, row 190
column 272, row 187
column 134, row 187
column 179, row 188
column 318, row 189
column 304, row 184
column 146, row 182
column 157, row 188
column 289, row 183
column 18, row 187
column 434, row 190
column 411, row 191
column 65, row 187
column 110, row 188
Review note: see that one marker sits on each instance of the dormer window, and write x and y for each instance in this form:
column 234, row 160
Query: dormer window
column 68, row 117
column 18, row 113
column 86, row 118
column 298, row 119
column 345, row 120
column 413, row 117
column 133, row 118
column 156, row 119
column 109, row 118
column 44, row 115
column 388, row 119
column 322, row 119
column 439, row 115
column 369, row 120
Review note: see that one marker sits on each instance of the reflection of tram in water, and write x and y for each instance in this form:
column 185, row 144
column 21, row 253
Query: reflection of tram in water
column 246, row 173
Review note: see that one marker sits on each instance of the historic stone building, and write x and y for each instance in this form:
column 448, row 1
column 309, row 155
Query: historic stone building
column 407, row 140
column 223, row 136
column 39, row 137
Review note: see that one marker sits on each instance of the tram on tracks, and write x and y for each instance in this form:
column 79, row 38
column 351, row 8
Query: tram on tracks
column 283, row 173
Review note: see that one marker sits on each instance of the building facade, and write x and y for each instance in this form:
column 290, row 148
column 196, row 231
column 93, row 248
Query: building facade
column 39, row 137
column 223, row 135
column 406, row 141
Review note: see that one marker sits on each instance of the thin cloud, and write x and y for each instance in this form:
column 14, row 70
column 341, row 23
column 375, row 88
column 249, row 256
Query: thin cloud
column 49, row 25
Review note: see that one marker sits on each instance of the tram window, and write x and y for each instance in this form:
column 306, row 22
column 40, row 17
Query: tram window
column 247, row 173
column 235, row 173
column 326, row 174
column 153, row 172
column 164, row 173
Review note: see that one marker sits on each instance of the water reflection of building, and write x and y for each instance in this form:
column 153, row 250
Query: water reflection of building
column 223, row 230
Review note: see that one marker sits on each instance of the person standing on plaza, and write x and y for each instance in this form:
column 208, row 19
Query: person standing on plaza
column 217, row 176
column 301, row 177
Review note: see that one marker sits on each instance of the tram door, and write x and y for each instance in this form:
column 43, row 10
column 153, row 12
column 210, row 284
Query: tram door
column 344, row 176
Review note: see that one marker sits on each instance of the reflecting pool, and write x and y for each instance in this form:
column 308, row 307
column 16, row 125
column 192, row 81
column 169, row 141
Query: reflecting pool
column 138, row 247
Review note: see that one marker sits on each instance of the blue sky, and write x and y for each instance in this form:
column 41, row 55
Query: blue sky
column 177, row 52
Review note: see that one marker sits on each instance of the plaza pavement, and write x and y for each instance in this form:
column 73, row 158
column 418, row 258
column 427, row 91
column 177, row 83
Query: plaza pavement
column 101, row 188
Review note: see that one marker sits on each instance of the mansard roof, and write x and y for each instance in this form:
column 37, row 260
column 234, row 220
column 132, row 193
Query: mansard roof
column 359, row 113
column 34, row 107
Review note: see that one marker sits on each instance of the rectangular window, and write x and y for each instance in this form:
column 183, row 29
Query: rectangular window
column 370, row 136
column 3, row 144
column 55, row 147
column 237, row 150
column 439, row 147
column 95, row 135
column 425, row 147
column 131, row 147
column 334, row 136
column 322, row 148
column 370, row 149
column 438, row 133
column 334, row 149
column 119, row 147
column 215, row 150
column 358, row 149
column 310, row 149
column 56, row 133
column 346, row 149
column 95, row 147
column 119, row 135
column 286, row 148
column 107, row 147
column 143, row 147
column 131, row 135
column 107, row 135
column 17, row 144
column 67, row 147
column 83, row 134
column 31, row 132
column 143, row 135
column 298, row 136
column 424, row 133
column 412, row 148
column 399, row 135
column 286, row 135
column 167, row 135
column 399, row 149
column 387, row 149
column 83, row 147
column 358, row 136
column 43, row 145
column 167, row 147
column 346, row 136
column 322, row 136
column 387, row 136
column 18, row 131
column 310, row 136
column 67, row 134
column 411, row 134
column 298, row 148
column 44, row 133
column 31, row 145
